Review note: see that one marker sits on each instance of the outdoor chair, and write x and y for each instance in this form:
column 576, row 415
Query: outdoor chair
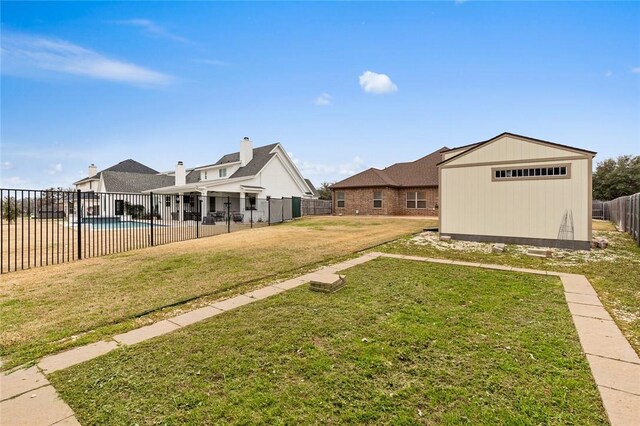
column 237, row 217
column 209, row 219
column 220, row 215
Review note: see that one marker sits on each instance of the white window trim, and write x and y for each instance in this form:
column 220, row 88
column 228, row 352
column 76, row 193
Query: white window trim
column 416, row 200
column 381, row 199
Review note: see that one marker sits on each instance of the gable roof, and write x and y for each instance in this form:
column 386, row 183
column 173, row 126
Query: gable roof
column 478, row 145
column 126, row 166
column 130, row 166
column 421, row 172
column 261, row 157
column 313, row 189
column 134, row 182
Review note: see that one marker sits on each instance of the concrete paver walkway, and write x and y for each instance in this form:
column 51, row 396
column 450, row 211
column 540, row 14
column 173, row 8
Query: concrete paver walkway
column 27, row 398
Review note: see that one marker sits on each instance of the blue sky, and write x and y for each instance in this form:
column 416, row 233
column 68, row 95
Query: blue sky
column 343, row 86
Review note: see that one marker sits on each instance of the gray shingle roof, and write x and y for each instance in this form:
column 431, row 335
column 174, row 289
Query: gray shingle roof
column 261, row 156
column 134, row 182
column 422, row 172
column 314, row 191
column 130, row 166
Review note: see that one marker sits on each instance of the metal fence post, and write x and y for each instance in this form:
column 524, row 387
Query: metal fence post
column 228, row 214
column 79, row 221
column 152, row 214
column 282, row 209
column 250, row 213
column 269, row 210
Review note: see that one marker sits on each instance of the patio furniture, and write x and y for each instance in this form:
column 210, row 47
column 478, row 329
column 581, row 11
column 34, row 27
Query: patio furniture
column 220, row 215
column 209, row 219
column 237, row 216
column 175, row 215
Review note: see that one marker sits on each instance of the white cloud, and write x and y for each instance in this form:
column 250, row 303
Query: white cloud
column 636, row 70
column 151, row 28
column 328, row 172
column 13, row 182
column 214, row 62
column 372, row 82
column 22, row 55
column 7, row 165
column 609, row 73
column 55, row 169
column 323, row 100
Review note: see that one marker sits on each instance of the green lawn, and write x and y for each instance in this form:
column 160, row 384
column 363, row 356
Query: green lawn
column 48, row 309
column 613, row 272
column 404, row 342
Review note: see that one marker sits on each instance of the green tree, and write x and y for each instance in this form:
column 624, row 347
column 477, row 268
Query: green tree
column 615, row 178
column 10, row 209
column 325, row 191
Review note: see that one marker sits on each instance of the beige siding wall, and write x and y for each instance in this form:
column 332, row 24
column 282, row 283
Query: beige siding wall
column 474, row 204
column 453, row 153
column 508, row 148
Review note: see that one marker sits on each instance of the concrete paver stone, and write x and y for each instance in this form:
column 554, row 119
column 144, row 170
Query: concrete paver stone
column 496, row 267
column 147, row 332
column 62, row 360
column 234, row 302
column 292, row 283
column 577, row 284
column 21, row 381
column 264, row 292
column 619, row 375
column 623, row 409
column 195, row 316
column 589, row 311
column 604, row 338
column 69, row 421
column 39, row 407
column 585, row 299
column 530, row 271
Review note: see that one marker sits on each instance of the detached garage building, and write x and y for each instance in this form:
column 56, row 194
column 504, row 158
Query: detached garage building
column 517, row 190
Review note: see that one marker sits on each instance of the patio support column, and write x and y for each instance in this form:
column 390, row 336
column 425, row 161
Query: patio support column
column 205, row 204
column 242, row 208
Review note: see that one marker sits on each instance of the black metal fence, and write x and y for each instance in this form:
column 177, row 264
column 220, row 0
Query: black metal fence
column 623, row 211
column 50, row 227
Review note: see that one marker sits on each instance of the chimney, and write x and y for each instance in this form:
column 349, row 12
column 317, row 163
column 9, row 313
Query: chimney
column 246, row 151
column 93, row 170
column 181, row 176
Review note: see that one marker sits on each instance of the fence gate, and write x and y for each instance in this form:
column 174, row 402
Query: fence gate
column 296, row 204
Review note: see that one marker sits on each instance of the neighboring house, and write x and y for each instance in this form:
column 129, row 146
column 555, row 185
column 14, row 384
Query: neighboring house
column 516, row 189
column 239, row 178
column 127, row 176
column 401, row 189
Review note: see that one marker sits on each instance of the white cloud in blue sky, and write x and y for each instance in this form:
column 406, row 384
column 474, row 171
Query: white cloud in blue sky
column 214, row 62
column 25, row 55
column 153, row 29
column 379, row 84
column 323, row 100
column 636, row 70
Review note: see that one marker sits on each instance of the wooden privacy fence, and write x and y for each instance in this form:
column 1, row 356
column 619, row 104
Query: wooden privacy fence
column 625, row 213
column 316, row 207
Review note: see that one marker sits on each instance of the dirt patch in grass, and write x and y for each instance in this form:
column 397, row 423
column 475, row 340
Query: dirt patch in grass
column 46, row 309
column 403, row 343
column 614, row 272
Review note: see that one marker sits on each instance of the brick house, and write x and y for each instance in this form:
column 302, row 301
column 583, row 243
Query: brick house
column 402, row 189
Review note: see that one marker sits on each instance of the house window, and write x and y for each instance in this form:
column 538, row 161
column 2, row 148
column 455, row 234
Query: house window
column 528, row 172
column 205, row 175
column 222, row 173
column 249, row 202
column 340, row 197
column 167, row 201
column 416, row 200
column 377, row 199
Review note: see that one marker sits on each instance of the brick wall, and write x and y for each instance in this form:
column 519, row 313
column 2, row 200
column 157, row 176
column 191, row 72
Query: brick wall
column 394, row 202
